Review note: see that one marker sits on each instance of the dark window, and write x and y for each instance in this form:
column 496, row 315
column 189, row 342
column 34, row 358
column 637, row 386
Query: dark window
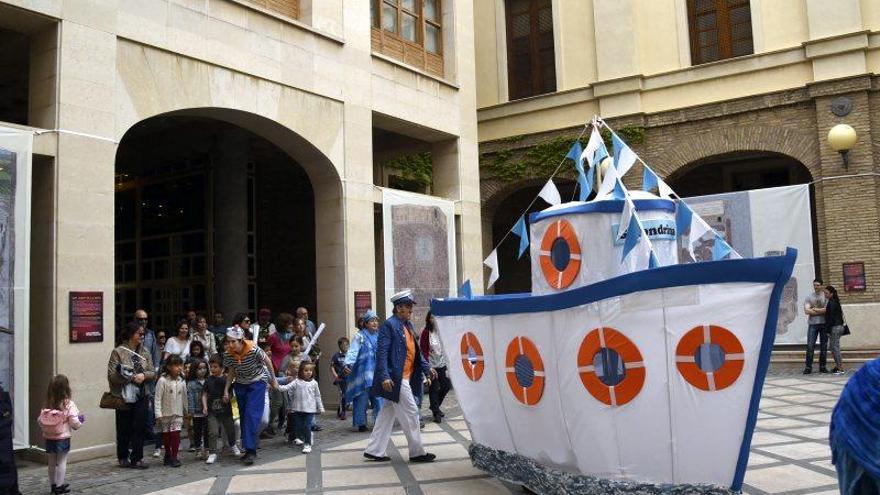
column 531, row 65
column 287, row 8
column 719, row 29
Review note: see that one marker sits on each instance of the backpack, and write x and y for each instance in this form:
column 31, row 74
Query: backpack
column 52, row 422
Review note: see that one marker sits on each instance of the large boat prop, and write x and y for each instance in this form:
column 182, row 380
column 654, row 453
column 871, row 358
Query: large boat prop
column 612, row 369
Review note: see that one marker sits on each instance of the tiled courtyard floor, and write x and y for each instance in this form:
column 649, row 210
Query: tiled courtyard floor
column 790, row 455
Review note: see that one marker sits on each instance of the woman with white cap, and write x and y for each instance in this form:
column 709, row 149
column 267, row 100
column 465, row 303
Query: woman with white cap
column 360, row 364
column 247, row 365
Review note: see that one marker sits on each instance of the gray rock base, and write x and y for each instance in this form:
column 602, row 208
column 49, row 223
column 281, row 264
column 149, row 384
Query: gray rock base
column 520, row 470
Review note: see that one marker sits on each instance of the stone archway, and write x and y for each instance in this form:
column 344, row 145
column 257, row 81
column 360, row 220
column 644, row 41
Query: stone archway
column 230, row 275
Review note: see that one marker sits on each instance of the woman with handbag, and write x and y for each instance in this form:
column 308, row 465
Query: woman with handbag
column 835, row 324
column 128, row 369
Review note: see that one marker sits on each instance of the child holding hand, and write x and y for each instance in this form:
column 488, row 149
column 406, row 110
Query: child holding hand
column 304, row 396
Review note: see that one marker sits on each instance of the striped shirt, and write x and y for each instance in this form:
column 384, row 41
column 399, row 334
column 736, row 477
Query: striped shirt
column 251, row 369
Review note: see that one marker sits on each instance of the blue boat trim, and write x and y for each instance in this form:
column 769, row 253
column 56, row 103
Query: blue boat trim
column 782, row 277
column 774, row 269
column 605, row 206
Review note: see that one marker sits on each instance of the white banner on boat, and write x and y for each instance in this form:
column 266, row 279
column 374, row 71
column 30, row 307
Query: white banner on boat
column 763, row 222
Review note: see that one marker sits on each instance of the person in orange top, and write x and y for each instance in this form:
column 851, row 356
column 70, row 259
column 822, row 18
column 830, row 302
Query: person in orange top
column 400, row 371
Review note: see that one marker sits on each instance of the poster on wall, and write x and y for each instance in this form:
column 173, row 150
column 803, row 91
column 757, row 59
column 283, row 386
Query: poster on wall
column 86, row 317
column 419, row 248
column 15, row 175
column 363, row 300
column 763, row 222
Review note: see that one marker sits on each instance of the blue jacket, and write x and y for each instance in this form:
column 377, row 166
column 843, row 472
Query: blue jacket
column 390, row 356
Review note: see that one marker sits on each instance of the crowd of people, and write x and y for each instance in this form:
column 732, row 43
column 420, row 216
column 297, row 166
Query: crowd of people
column 228, row 387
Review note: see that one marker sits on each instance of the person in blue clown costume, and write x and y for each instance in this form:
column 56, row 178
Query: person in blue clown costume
column 855, row 433
column 360, row 366
column 400, row 371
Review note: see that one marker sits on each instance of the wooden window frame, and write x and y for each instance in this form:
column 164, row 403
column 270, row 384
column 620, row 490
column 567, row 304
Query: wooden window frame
column 395, row 45
column 723, row 28
column 537, row 62
column 292, row 11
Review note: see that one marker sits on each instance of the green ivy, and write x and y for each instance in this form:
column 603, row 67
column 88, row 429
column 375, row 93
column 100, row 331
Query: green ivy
column 415, row 167
column 541, row 159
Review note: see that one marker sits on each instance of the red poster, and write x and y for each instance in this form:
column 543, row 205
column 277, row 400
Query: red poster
column 363, row 300
column 854, row 277
column 86, row 317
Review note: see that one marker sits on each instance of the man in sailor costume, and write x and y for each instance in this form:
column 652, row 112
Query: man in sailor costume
column 400, row 370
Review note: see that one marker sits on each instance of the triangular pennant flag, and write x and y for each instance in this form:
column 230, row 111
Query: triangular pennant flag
column 585, row 182
column 633, row 232
column 492, row 262
column 574, row 154
column 625, row 217
column 720, row 249
column 550, row 194
column 600, row 154
column 649, row 179
column 698, row 229
column 653, row 262
column 624, row 157
column 520, row 230
column 618, row 192
column 683, row 216
column 465, row 290
column 592, row 145
column 664, row 189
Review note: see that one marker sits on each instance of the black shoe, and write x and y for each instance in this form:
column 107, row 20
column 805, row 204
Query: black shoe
column 175, row 463
column 60, row 489
column 823, row 370
column 166, row 461
column 362, row 428
column 377, row 458
column 138, row 465
column 808, row 371
column 438, row 418
column 423, row 458
column 123, row 463
column 248, row 459
column 442, row 414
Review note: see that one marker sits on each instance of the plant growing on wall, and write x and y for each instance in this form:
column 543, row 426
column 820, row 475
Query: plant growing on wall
column 540, row 160
column 417, row 168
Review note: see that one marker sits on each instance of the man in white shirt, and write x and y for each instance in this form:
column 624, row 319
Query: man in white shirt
column 814, row 308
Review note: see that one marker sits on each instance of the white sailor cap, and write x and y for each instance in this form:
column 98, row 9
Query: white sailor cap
column 402, row 297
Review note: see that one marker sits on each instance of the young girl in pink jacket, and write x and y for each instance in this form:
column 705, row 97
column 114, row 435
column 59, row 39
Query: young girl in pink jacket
column 56, row 420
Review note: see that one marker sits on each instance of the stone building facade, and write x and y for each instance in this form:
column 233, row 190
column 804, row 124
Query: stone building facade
column 209, row 100
column 631, row 62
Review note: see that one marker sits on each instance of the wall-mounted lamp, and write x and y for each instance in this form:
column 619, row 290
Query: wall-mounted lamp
column 841, row 138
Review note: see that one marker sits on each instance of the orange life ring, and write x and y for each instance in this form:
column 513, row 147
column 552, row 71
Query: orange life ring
column 689, row 364
column 525, row 371
column 560, row 240
column 472, row 356
column 614, row 346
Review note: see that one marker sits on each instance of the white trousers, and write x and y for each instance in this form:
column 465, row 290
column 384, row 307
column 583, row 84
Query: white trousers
column 407, row 414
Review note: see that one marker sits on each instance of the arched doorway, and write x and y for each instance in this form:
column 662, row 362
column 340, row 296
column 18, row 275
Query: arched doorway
column 738, row 171
column 516, row 274
column 212, row 215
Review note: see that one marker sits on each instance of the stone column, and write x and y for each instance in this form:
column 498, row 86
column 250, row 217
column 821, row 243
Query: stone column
column 230, row 223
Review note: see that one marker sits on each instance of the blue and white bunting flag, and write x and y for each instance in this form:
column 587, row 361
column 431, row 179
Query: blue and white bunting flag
column 465, row 290
column 653, row 262
column 585, row 183
column 550, row 194
column 633, row 233
column 625, row 218
column 619, row 192
column 649, row 179
column 574, row 154
column 720, row 249
column 624, row 157
column 683, row 217
column 492, row 262
column 520, row 230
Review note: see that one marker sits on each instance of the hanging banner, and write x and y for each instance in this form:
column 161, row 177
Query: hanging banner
column 419, row 248
column 762, row 222
column 15, row 180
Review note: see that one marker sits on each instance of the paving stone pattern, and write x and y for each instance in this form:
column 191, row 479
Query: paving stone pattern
column 790, row 455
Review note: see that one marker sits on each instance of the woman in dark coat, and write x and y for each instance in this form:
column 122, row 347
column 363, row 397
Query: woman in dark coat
column 834, row 323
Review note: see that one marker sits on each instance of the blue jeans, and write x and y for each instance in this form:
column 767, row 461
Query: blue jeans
column 302, row 426
column 851, row 476
column 359, row 409
column 812, row 332
column 251, row 404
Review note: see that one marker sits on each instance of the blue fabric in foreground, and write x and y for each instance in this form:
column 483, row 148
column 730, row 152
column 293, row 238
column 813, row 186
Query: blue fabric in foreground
column 855, row 422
